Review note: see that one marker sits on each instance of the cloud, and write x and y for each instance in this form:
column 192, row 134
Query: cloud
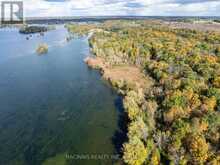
column 52, row 8
column 56, row 0
column 193, row 1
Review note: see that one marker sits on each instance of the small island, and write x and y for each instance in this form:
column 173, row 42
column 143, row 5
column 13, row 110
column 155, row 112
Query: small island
column 33, row 29
column 42, row 49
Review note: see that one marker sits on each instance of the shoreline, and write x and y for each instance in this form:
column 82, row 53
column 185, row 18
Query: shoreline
column 167, row 90
column 129, row 82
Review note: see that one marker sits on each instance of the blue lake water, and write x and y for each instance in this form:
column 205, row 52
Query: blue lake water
column 53, row 105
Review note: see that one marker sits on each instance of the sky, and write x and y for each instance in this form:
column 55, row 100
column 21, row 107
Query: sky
column 54, row 8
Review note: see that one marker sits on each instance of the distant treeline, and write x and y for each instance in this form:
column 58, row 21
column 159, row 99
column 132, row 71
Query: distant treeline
column 107, row 18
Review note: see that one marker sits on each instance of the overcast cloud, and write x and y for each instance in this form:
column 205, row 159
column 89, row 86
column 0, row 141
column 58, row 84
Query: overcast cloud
column 50, row 8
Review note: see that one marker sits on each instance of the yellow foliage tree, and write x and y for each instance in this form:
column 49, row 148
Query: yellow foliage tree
column 173, row 113
column 155, row 157
column 209, row 104
column 138, row 128
column 216, row 82
column 199, row 125
column 135, row 152
column 198, row 148
column 131, row 104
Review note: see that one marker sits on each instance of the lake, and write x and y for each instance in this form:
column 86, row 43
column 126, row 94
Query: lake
column 54, row 109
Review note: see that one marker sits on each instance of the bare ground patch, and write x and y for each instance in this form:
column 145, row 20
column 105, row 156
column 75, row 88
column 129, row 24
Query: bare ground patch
column 130, row 74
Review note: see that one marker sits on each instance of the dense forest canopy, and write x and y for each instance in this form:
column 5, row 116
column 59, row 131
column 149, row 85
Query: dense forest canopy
column 177, row 120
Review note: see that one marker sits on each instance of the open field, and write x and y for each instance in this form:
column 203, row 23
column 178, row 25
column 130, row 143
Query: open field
column 194, row 26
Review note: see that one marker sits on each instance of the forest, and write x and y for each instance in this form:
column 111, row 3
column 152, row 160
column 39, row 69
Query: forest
column 175, row 121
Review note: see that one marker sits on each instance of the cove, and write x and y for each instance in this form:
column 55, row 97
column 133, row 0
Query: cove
column 53, row 106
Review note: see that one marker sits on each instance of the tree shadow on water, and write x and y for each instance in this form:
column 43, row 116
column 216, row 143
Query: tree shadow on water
column 120, row 135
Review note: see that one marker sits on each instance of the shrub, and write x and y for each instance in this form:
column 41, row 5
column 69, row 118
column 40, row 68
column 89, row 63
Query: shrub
column 42, row 49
